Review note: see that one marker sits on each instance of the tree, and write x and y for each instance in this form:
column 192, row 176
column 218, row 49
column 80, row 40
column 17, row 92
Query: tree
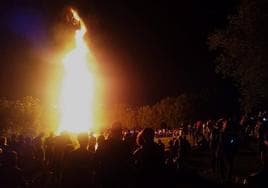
column 170, row 110
column 145, row 117
column 242, row 55
column 21, row 116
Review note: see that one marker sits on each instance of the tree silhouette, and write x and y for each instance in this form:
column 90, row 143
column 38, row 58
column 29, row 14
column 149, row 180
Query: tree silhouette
column 242, row 56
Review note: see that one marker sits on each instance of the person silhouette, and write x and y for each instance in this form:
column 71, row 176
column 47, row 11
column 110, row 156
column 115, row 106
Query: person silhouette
column 116, row 159
column 149, row 160
column 10, row 175
column 78, row 170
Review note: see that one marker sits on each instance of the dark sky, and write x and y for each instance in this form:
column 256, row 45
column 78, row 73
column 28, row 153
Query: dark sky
column 146, row 50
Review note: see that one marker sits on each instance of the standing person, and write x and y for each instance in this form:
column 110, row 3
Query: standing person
column 78, row 170
column 149, row 159
column 161, row 145
column 116, row 158
column 49, row 146
column 10, row 174
column 3, row 144
column 100, row 156
column 92, row 143
column 260, row 139
column 264, row 135
column 38, row 148
column 63, row 146
column 4, row 149
column 259, row 179
column 13, row 142
column 197, row 131
column 183, row 151
column 215, row 137
column 227, row 148
column 190, row 131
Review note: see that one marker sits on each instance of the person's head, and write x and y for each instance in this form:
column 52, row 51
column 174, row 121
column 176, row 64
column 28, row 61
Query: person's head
column 3, row 140
column 148, row 135
column 28, row 140
column 171, row 142
column 92, row 141
column 140, row 139
column 116, row 131
column 83, row 140
column 100, row 140
column 223, row 125
column 91, row 134
column 42, row 134
column 65, row 136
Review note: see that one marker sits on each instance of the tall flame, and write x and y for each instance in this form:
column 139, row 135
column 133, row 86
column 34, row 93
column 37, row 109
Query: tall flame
column 77, row 92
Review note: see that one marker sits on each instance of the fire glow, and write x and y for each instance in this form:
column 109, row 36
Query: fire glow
column 77, row 92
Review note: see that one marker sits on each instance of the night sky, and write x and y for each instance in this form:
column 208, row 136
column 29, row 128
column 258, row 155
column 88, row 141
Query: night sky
column 146, row 50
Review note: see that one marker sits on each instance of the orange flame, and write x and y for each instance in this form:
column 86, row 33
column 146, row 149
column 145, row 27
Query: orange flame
column 78, row 87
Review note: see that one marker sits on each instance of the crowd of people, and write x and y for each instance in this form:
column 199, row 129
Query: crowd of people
column 132, row 158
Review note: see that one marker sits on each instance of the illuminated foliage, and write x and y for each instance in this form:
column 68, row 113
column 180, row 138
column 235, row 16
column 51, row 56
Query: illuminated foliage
column 171, row 110
column 21, row 116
